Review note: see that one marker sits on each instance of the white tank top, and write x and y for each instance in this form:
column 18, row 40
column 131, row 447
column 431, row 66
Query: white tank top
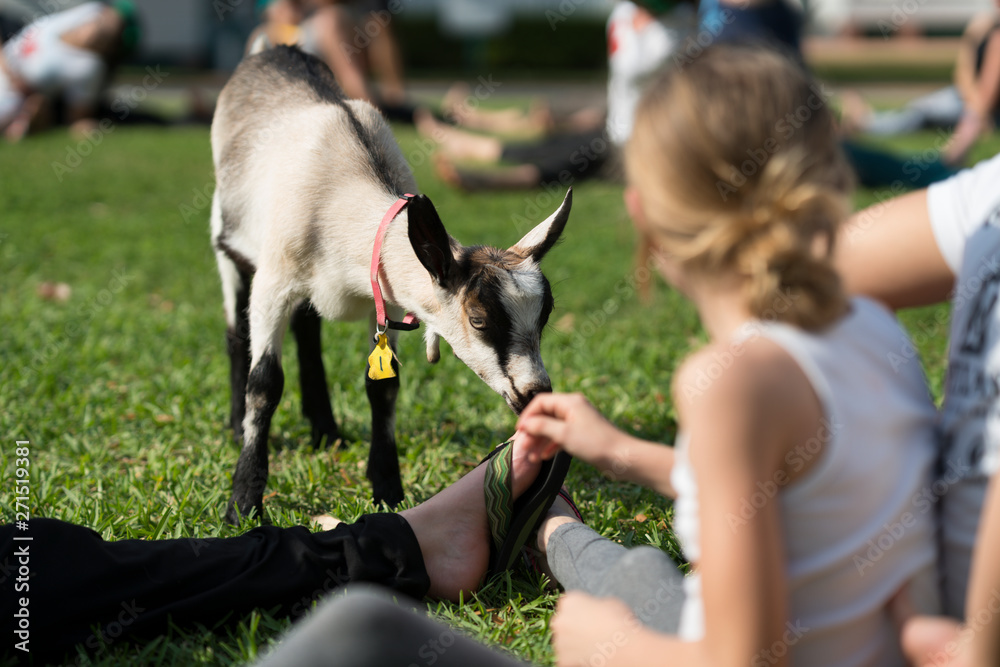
column 858, row 526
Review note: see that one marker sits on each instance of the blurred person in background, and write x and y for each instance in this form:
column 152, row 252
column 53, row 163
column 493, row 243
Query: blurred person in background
column 69, row 55
column 354, row 38
column 971, row 105
column 774, row 23
column 642, row 35
column 777, row 24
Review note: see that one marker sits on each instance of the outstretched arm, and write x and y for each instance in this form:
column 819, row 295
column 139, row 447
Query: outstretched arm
column 569, row 422
column 888, row 252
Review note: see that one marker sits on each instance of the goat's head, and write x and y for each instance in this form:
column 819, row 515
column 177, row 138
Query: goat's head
column 493, row 303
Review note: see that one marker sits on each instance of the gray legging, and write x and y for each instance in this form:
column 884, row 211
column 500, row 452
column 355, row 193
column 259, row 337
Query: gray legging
column 366, row 628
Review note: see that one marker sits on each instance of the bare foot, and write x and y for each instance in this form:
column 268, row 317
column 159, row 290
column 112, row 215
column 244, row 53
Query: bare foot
column 453, row 103
column 456, row 143
column 507, row 178
column 540, row 116
column 587, row 119
column 425, row 123
column 446, row 170
column 453, row 532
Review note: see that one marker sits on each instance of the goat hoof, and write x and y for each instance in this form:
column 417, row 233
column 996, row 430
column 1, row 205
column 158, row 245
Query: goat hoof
column 236, row 514
column 389, row 494
column 325, row 436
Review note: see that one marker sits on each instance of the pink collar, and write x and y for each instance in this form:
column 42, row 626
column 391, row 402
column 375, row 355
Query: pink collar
column 409, row 322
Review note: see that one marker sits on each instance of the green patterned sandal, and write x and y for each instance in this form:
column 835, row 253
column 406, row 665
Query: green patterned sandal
column 512, row 521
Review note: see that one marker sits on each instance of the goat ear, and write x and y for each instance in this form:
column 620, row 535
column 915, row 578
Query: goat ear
column 540, row 240
column 429, row 239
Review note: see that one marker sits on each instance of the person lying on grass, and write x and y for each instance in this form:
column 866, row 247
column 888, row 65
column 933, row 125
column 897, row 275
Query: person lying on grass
column 800, row 447
column 85, row 592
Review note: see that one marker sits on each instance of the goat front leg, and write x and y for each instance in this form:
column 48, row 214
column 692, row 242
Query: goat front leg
column 268, row 319
column 383, row 458
column 306, row 324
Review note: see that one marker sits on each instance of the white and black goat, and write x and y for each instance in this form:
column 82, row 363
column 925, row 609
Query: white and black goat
column 304, row 176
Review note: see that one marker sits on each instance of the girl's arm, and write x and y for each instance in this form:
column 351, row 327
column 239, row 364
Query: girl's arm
column 740, row 428
column 569, row 422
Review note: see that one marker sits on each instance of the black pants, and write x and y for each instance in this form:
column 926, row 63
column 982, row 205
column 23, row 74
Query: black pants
column 82, row 589
column 564, row 157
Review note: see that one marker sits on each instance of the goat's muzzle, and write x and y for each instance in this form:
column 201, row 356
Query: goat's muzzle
column 520, row 399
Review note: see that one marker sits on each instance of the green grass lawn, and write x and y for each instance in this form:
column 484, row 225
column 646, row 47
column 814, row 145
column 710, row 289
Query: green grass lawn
column 122, row 389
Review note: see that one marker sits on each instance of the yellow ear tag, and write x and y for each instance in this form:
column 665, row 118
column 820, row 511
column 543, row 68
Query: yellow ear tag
column 380, row 360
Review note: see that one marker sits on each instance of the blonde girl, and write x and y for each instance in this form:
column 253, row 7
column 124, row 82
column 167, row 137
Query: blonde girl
column 800, row 473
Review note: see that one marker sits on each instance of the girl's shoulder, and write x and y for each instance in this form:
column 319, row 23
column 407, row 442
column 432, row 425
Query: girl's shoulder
column 757, row 372
column 746, row 401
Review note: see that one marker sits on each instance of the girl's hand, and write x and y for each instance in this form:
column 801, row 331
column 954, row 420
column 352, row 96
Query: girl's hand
column 588, row 630
column 569, row 422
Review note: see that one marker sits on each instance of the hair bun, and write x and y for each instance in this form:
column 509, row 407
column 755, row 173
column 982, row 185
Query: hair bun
column 788, row 235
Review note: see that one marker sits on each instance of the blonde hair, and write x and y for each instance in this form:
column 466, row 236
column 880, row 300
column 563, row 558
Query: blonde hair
column 736, row 159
